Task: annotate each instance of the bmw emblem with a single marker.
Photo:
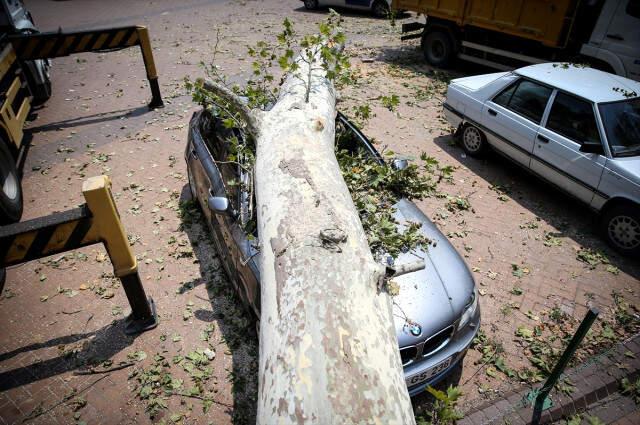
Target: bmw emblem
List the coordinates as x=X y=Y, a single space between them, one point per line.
x=415 y=329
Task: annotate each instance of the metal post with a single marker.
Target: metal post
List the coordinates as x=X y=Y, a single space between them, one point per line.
x=97 y=192
x=150 y=66
x=588 y=320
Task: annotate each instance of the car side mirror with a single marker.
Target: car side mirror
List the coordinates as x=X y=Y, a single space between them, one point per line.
x=399 y=164
x=592 y=147
x=220 y=205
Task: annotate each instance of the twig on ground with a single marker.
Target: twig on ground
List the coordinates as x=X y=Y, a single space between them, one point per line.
x=39 y=412
x=93 y=371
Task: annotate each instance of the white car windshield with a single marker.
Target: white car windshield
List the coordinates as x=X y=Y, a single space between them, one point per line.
x=622 y=125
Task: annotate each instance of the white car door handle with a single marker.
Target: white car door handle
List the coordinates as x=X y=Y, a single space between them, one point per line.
x=542 y=138
x=492 y=112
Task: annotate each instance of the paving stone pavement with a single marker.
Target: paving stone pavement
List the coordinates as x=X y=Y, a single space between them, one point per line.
x=597 y=392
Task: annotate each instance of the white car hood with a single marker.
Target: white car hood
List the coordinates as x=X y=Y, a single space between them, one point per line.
x=478 y=81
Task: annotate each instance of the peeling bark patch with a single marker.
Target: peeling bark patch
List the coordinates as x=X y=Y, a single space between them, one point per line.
x=278 y=246
x=296 y=168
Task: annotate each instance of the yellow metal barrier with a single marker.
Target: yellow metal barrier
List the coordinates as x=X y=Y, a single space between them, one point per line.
x=97 y=221
x=56 y=44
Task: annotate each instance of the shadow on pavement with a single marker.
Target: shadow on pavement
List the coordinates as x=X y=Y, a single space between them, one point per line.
x=227 y=311
x=572 y=219
x=103 y=345
x=324 y=10
x=92 y=119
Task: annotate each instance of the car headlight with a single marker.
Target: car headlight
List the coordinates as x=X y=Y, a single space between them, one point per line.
x=470 y=311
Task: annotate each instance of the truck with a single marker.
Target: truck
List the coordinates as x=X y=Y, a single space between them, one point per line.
x=25 y=55
x=504 y=35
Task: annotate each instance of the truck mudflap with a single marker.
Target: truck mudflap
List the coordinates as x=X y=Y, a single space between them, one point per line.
x=57 y=44
x=410 y=29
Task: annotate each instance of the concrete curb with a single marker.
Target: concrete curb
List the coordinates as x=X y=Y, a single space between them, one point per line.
x=594 y=380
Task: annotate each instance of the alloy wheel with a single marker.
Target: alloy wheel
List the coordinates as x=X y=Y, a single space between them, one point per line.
x=472 y=139
x=624 y=231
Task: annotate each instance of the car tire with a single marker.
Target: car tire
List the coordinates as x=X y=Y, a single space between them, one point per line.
x=41 y=91
x=437 y=48
x=620 y=226
x=380 y=9
x=311 y=4
x=10 y=189
x=473 y=141
x=3 y=278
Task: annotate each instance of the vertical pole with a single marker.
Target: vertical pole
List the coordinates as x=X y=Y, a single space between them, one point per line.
x=150 y=66
x=588 y=320
x=97 y=193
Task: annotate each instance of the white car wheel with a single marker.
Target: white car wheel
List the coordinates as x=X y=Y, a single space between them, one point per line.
x=473 y=140
x=311 y=4
x=624 y=231
x=621 y=227
x=380 y=9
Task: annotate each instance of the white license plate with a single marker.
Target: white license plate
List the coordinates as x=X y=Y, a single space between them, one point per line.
x=429 y=373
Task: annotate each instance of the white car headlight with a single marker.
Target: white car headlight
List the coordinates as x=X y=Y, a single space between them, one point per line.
x=469 y=311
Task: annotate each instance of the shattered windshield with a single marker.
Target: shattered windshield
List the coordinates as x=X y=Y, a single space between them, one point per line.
x=622 y=125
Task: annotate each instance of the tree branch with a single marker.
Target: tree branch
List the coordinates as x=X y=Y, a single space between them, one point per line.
x=250 y=117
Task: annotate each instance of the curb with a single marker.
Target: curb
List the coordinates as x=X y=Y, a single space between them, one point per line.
x=594 y=380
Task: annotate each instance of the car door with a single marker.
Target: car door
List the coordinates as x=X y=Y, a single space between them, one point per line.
x=513 y=118
x=622 y=36
x=571 y=122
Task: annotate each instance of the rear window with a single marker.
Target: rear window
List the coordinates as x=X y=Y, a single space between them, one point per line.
x=525 y=98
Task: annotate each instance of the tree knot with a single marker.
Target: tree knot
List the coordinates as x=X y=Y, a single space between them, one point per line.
x=331 y=238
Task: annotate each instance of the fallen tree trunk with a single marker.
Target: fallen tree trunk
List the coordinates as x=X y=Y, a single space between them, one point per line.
x=328 y=347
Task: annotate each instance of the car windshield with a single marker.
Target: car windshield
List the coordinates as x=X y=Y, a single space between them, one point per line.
x=622 y=125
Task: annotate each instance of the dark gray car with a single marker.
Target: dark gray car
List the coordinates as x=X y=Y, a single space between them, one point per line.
x=436 y=312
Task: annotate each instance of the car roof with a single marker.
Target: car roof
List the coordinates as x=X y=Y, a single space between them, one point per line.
x=588 y=83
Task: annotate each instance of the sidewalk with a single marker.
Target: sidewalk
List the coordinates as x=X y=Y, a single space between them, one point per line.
x=596 y=393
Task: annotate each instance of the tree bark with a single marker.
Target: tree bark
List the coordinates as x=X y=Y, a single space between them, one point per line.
x=328 y=347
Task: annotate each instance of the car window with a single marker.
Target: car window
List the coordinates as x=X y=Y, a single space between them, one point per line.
x=525 y=98
x=573 y=118
x=622 y=126
x=229 y=169
x=633 y=8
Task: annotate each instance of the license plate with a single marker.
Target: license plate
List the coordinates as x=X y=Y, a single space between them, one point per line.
x=429 y=373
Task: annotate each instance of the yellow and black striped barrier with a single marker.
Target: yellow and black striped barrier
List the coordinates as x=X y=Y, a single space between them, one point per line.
x=56 y=44
x=97 y=221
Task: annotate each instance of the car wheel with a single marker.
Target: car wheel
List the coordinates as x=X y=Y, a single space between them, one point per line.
x=380 y=9
x=437 y=48
x=621 y=227
x=311 y=4
x=10 y=189
x=473 y=141
x=40 y=86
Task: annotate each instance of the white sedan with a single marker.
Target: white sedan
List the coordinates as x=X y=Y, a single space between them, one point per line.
x=380 y=8
x=575 y=127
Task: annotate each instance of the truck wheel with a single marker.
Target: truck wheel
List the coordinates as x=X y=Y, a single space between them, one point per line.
x=311 y=4
x=10 y=190
x=621 y=227
x=437 y=48
x=380 y=9
x=473 y=140
x=37 y=74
